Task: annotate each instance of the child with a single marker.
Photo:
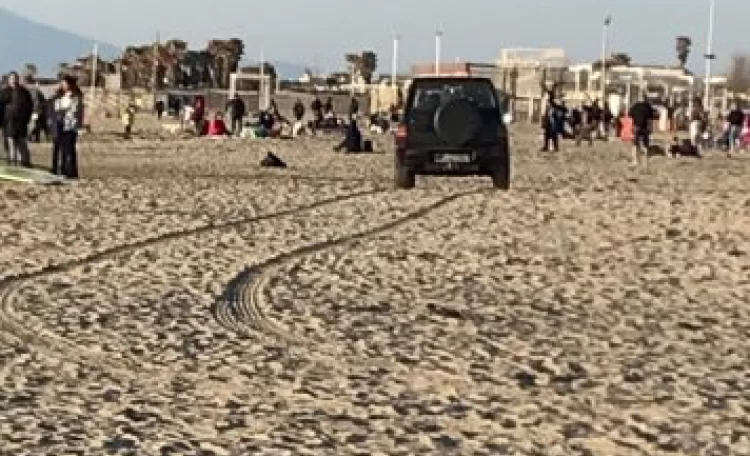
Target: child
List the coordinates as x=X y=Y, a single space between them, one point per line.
x=128 y=119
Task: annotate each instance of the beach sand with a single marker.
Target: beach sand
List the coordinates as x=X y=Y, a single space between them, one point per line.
x=182 y=300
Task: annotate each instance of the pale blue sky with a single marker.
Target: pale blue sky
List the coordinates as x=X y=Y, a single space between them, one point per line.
x=321 y=31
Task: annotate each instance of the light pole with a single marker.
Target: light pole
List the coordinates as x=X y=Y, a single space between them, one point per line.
x=438 y=43
x=605 y=42
x=707 y=105
x=394 y=63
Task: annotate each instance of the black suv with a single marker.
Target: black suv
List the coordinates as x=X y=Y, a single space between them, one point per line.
x=452 y=126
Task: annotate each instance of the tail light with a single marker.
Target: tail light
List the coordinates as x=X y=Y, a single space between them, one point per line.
x=401 y=136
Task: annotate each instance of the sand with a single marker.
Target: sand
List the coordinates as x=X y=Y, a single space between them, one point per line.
x=182 y=300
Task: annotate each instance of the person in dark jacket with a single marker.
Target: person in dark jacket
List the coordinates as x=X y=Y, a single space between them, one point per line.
x=607 y=118
x=39 y=117
x=2 y=122
x=328 y=109
x=597 y=116
x=553 y=122
x=736 y=120
x=237 y=110
x=353 y=108
x=317 y=109
x=18 y=107
x=642 y=114
x=159 y=108
x=54 y=127
x=298 y=110
x=352 y=143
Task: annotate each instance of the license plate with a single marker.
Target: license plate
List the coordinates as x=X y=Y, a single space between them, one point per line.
x=452 y=158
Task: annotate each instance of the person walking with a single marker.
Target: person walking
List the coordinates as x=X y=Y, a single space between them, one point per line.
x=18 y=109
x=642 y=114
x=69 y=111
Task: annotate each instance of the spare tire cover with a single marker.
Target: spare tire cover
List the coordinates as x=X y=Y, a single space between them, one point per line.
x=457 y=122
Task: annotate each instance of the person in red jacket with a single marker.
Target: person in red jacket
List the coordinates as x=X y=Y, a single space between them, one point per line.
x=217 y=126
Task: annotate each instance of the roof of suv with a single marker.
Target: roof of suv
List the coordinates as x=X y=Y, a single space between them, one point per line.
x=452 y=78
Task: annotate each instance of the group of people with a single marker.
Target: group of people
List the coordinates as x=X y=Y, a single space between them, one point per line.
x=24 y=115
x=591 y=121
x=588 y=122
x=269 y=122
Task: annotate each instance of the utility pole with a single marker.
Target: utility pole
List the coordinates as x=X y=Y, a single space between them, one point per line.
x=438 y=44
x=707 y=104
x=605 y=43
x=262 y=82
x=156 y=64
x=394 y=62
x=94 y=69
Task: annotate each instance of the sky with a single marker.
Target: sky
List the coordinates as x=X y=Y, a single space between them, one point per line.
x=320 y=32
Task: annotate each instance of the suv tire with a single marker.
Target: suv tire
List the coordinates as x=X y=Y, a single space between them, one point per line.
x=500 y=174
x=405 y=178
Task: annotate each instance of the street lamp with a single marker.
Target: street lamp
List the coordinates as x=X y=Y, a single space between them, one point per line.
x=394 y=63
x=438 y=40
x=710 y=57
x=605 y=39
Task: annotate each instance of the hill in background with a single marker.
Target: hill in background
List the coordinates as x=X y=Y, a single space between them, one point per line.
x=25 y=41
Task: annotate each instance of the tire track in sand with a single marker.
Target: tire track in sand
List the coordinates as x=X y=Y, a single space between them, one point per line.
x=14 y=332
x=240 y=309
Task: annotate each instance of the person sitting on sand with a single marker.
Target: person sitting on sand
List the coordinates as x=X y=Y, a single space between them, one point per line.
x=352 y=143
x=217 y=127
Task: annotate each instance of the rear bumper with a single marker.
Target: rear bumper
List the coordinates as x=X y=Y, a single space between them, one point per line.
x=483 y=161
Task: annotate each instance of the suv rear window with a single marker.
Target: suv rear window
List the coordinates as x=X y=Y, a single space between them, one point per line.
x=429 y=94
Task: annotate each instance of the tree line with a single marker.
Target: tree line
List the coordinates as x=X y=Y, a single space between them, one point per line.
x=171 y=64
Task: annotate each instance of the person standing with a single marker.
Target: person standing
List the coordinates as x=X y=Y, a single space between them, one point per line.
x=2 y=121
x=18 y=107
x=54 y=127
x=236 y=109
x=69 y=111
x=159 y=108
x=353 y=108
x=328 y=109
x=736 y=120
x=642 y=114
x=553 y=123
x=39 y=116
x=587 y=127
x=597 y=115
x=298 y=110
x=199 y=114
x=607 y=118
x=317 y=109
x=128 y=120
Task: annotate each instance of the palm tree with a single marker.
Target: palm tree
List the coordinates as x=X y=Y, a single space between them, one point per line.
x=683 y=49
